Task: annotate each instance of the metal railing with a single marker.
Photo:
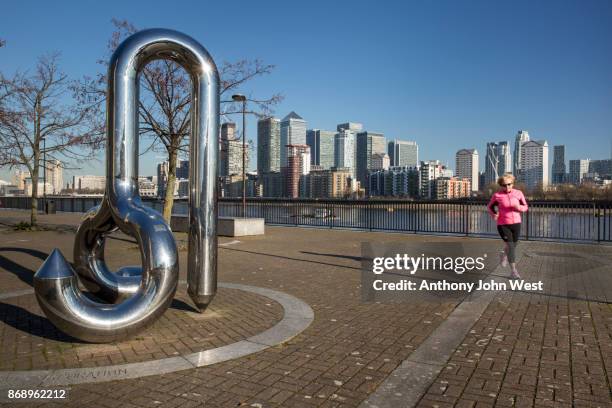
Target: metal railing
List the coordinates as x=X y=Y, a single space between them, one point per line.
x=546 y=220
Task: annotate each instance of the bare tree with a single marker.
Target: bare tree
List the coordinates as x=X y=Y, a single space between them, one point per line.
x=166 y=102
x=4 y=91
x=37 y=122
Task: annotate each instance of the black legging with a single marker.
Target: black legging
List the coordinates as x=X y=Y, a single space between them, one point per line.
x=510 y=233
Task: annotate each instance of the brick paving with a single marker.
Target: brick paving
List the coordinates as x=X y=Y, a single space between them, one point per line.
x=537 y=350
x=524 y=350
x=29 y=341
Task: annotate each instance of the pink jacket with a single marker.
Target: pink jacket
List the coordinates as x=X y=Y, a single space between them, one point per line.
x=509 y=206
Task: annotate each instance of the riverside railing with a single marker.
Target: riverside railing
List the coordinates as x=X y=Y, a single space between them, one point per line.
x=546 y=220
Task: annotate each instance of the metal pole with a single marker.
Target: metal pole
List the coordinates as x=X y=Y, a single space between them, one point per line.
x=598 y=216
x=243 y=158
x=44 y=176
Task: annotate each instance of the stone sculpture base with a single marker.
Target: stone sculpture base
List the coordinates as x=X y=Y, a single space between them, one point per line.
x=226 y=226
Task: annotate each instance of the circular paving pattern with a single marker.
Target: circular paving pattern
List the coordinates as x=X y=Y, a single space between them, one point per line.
x=240 y=321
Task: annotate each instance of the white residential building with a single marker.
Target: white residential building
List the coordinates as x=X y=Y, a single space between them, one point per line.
x=534 y=163
x=19 y=178
x=42 y=187
x=429 y=172
x=147 y=187
x=8 y=189
x=467 y=166
x=55 y=176
x=88 y=183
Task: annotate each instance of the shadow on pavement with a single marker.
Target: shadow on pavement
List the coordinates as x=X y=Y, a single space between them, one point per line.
x=24 y=274
x=34 y=252
x=35 y=325
x=28 y=322
x=182 y=306
x=349 y=257
x=290 y=258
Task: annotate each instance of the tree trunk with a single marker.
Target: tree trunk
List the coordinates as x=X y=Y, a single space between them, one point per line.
x=169 y=197
x=34 y=199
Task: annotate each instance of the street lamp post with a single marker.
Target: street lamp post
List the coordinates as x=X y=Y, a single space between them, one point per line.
x=242 y=98
x=44 y=176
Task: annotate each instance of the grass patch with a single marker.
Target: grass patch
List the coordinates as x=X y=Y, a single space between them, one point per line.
x=23 y=226
x=26 y=226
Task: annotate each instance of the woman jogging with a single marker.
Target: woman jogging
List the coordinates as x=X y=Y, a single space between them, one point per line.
x=510 y=204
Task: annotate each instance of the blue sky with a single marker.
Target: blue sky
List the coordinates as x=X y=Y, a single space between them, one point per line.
x=448 y=74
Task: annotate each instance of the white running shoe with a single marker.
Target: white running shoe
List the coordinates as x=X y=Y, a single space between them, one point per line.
x=503 y=259
x=515 y=275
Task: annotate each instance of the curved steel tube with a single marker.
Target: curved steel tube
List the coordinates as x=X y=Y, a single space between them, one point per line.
x=89 y=258
x=144 y=293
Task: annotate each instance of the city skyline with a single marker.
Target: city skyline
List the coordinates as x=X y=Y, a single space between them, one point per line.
x=463 y=72
x=254 y=149
x=302 y=177
x=512 y=151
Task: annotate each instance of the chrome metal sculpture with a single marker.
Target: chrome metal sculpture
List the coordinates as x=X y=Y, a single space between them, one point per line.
x=137 y=296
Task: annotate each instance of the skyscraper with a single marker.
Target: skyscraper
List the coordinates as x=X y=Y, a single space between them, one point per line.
x=368 y=144
x=521 y=137
x=352 y=126
x=403 y=153
x=54 y=176
x=272 y=184
x=601 y=168
x=228 y=131
x=578 y=170
x=298 y=166
x=163 y=169
x=292 y=132
x=268 y=145
x=558 y=166
x=467 y=166
x=19 y=178
x=497 y=161
x=344 y=150
x=534 y=163
x=162 y=178
x=230 y=156
x=321 y=144
x=182 y=169
x=381 y=161
x=233 y=163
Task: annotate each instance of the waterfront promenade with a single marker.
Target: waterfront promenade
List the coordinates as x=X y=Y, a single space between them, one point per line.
x=522 y=348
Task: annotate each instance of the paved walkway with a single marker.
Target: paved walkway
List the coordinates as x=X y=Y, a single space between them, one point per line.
x=526 y=349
